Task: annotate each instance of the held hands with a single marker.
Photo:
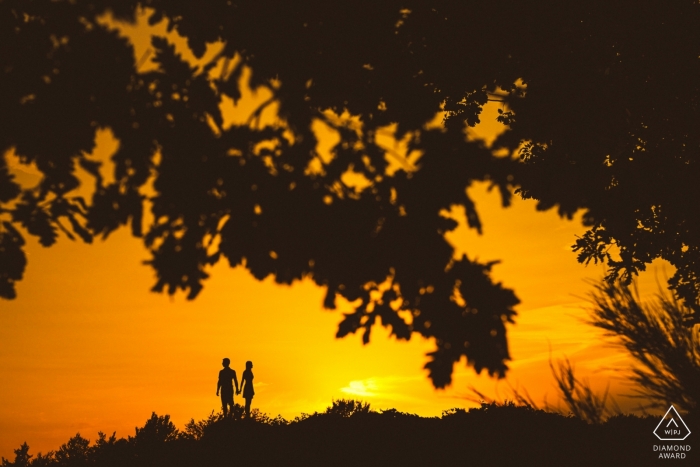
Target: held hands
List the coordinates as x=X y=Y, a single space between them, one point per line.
x=238 y=392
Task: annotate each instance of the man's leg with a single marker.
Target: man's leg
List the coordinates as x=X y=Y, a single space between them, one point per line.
x=223 y=404
x=226 y=400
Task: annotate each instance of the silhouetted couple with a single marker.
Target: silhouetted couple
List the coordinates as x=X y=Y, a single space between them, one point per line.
x=227 y=379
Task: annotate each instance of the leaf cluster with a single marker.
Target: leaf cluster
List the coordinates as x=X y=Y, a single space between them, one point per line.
x=600 y=99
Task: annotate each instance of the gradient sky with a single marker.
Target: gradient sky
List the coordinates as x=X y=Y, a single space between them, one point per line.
x=86 y=347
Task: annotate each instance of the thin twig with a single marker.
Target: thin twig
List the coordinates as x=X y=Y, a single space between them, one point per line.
x=143 y=58
x=257 y=112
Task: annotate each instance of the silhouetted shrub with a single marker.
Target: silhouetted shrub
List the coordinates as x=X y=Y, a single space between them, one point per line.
x=22 y=457
x=195 y=430
x=74 y=453
x=348 y=433
x=156 y=430
x=347 y=408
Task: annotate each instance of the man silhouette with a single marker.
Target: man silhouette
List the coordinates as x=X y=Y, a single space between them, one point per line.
x=227 y=377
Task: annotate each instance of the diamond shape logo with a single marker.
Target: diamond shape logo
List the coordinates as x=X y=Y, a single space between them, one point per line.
x=672 y=427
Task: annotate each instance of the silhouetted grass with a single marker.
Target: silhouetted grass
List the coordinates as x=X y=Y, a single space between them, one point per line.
x=661 y=335
x=350 y=434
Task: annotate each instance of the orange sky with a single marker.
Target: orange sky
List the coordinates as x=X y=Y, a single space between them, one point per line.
x=87 y=347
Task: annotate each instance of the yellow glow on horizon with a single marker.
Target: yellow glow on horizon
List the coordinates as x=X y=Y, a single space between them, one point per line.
x=361 y=389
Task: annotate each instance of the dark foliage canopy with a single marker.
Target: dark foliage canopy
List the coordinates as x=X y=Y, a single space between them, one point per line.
x=600 y=98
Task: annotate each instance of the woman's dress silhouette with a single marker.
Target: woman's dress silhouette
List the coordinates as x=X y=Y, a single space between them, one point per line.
x=247 y=386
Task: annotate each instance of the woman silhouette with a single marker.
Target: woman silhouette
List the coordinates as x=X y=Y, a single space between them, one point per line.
x=247 y=386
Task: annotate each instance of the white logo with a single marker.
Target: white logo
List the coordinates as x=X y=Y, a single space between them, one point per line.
x=672 y=427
